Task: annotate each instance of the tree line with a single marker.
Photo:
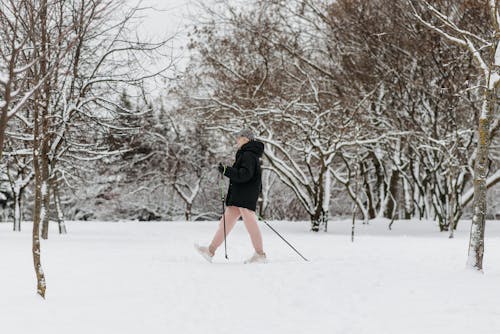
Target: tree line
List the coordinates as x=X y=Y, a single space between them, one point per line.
x=396 y=102
x=380 y=109
x=389 y=106
x=61 y=65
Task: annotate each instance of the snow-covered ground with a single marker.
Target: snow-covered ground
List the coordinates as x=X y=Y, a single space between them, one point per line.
x=146 y=278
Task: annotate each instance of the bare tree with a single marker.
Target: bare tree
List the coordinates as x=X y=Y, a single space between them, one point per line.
x=63 y=63
x=87 y=88
x=17 y=20
x=484 y=47
x=274 y=69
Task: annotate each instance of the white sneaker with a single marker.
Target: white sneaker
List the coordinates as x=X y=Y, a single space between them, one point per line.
x=203 y=250
x=257 y=258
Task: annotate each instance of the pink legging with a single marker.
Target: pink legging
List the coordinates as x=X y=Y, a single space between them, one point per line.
x=232 y=214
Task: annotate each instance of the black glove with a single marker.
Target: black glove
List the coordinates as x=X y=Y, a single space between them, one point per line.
x=221 y=168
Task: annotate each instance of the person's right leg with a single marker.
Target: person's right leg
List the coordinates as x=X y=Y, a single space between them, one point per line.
x=232 y=214
x=250 y=220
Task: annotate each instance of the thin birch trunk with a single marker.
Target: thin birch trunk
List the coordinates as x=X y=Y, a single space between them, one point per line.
x=38 y=209
x=41 y=284
x=476 y=244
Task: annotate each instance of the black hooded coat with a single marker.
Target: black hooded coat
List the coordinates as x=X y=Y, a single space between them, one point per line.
x=245 y=176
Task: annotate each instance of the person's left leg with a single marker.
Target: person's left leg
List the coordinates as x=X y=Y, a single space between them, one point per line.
x=250 y=220
x=232 y=214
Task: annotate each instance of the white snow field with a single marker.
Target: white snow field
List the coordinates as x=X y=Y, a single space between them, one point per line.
x=120 y=278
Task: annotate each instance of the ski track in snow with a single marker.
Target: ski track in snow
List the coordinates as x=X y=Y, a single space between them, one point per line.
x=147 y=278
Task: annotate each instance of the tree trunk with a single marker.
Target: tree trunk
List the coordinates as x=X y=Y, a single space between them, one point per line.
x=40 y=276
x=368 y=191
x=380 y=184
x=428 y=213
x=452 y=204
x=262 y=209
x=44 y=139
x=476 y=244
x=59 y=212
x=327 y=192
x=318 y=219
x=188 y=211
x=315 y=223
x=3 y=126
x=392 y=194
x=37 y=140
x=44 y=216
x=17 y=211
x=264 y=193
x=408 y=207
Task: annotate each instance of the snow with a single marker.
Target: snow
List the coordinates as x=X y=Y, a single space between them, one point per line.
x=146 y=278
x=497 y=51
x=495 y=73
x=4 y=78
x=494 y=79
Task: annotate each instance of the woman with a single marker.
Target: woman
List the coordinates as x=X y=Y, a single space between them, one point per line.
x=241 y=200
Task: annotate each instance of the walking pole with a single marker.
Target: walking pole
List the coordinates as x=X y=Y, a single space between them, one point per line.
x=296 y=251
x=223 y=210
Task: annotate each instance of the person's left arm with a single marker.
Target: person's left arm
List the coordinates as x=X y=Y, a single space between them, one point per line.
x=245 y=170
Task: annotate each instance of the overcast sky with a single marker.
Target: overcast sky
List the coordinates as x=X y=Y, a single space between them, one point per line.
x=168 y=18
x=165 y=19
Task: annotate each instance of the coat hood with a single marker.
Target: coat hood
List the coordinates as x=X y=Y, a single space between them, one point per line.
x=254 y=146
